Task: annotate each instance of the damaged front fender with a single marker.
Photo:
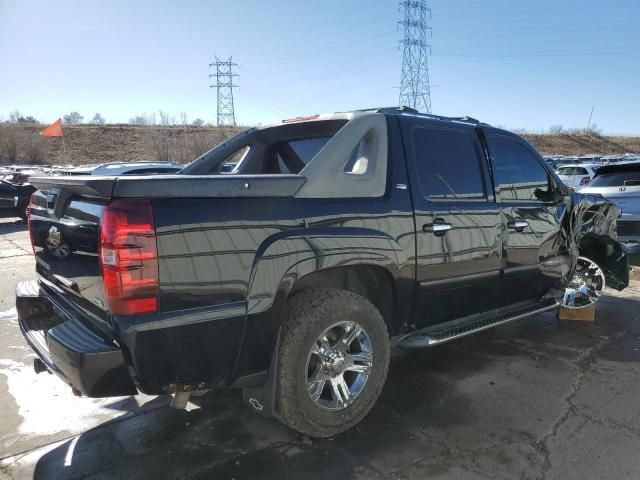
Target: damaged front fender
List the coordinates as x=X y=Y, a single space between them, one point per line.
x=590 y=231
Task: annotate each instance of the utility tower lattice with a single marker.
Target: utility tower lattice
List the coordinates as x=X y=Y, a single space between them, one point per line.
x=415 y=91
x=224 y=86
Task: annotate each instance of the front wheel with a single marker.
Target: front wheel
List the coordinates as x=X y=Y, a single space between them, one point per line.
x=334 y=358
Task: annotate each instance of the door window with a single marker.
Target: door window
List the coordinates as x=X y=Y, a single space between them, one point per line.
x=447 y=164
x=518 y=174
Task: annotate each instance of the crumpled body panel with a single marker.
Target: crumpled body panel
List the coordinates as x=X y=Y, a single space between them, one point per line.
x=590 y=230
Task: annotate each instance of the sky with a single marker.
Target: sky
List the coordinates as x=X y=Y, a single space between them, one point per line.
x=521 y=65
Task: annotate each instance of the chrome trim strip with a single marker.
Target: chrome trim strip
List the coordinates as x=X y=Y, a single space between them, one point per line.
x=472 y=276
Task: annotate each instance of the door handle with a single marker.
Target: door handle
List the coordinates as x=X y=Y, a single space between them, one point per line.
x=438 y=227
x=518 y=225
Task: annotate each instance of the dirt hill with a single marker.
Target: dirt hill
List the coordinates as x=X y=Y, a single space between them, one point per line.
x=104 y=143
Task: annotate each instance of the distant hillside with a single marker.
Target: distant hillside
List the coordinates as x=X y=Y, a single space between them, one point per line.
x=104 y=143
x=562 y=144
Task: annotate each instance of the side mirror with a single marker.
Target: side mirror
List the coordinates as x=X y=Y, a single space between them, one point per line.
x=560 y=192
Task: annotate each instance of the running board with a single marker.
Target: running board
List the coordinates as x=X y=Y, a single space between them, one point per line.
x=434 y=337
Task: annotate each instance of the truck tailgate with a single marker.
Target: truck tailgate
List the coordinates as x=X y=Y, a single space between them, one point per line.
x=65 y=232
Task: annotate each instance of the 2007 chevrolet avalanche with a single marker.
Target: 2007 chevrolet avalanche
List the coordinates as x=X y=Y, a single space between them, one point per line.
x=288 y=260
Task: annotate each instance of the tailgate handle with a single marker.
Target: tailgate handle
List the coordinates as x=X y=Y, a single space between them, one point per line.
x=517 y=225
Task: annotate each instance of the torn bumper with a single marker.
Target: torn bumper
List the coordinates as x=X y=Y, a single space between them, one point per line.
x=90 y=364
x=591 y=231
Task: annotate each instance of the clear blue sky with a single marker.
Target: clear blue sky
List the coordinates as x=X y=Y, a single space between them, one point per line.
x=525 y=64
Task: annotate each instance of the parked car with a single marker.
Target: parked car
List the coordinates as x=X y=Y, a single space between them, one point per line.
x=576 y=175
x=14 y=199
x=291 y=275
x=620 y=183
x=123 y=168
x=21 y=177
x=137 y=168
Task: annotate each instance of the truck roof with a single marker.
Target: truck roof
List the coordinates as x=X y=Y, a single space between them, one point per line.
x=386 y=110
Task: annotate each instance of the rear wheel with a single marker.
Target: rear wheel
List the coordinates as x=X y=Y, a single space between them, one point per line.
x=334 y=358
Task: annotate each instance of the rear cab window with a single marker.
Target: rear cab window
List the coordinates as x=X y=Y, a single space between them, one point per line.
x=572 y=171
x=292 y=157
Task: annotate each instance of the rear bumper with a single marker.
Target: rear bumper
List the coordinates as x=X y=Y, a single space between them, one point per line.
x=90 y=364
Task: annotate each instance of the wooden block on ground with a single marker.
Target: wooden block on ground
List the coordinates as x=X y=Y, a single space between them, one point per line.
x=586 y=314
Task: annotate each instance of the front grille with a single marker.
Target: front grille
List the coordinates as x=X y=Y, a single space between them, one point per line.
x=628 y=229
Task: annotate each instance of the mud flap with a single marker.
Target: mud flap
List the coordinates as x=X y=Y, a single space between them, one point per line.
x=263 y=399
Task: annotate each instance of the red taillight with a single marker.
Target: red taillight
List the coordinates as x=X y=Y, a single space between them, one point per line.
x=33 y=245
x=584 y=180
x=129 y=257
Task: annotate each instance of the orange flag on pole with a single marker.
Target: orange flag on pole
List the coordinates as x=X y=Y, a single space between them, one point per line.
x=53 y=130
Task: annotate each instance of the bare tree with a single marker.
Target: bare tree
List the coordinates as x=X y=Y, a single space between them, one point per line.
x=143 y=119
x=33 y=148
x=137 y=120
x=593 y=130
x=159 y=142
x=73 y=118
x=165 y=118
x=183 y=119
x=556 y=129
x=98 y=119
x=14 y=116
x=8 y=144
x=198 y=122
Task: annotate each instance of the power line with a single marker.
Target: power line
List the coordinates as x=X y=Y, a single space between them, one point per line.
x=224 y=88
x=414 y=81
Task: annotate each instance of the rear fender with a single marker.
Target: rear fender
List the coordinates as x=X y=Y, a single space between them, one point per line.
x=284 y=259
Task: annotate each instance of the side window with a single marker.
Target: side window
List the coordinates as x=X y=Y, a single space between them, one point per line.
x=518 y=174
x=447 y=164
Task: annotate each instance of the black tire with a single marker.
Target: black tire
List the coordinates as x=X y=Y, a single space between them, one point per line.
x=309 y=313
x=22 y=211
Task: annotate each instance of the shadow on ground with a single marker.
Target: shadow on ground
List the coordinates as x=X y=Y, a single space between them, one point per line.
x=12 y=226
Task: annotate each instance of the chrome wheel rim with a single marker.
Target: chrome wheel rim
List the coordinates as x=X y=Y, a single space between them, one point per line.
x=586 y=285
x=339 y=365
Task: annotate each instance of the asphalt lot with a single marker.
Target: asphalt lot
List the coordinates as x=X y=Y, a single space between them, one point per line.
x=538 y=398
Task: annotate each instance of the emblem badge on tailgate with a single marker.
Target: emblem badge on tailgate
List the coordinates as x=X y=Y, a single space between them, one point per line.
x=54 y=236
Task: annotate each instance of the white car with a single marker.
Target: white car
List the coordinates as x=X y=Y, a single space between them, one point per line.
x=621 y=184
x=577 y=175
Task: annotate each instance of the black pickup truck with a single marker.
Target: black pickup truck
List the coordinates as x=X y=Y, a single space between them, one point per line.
x=290 y=259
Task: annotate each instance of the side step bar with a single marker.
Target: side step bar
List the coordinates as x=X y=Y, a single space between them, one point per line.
x=434 y=336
